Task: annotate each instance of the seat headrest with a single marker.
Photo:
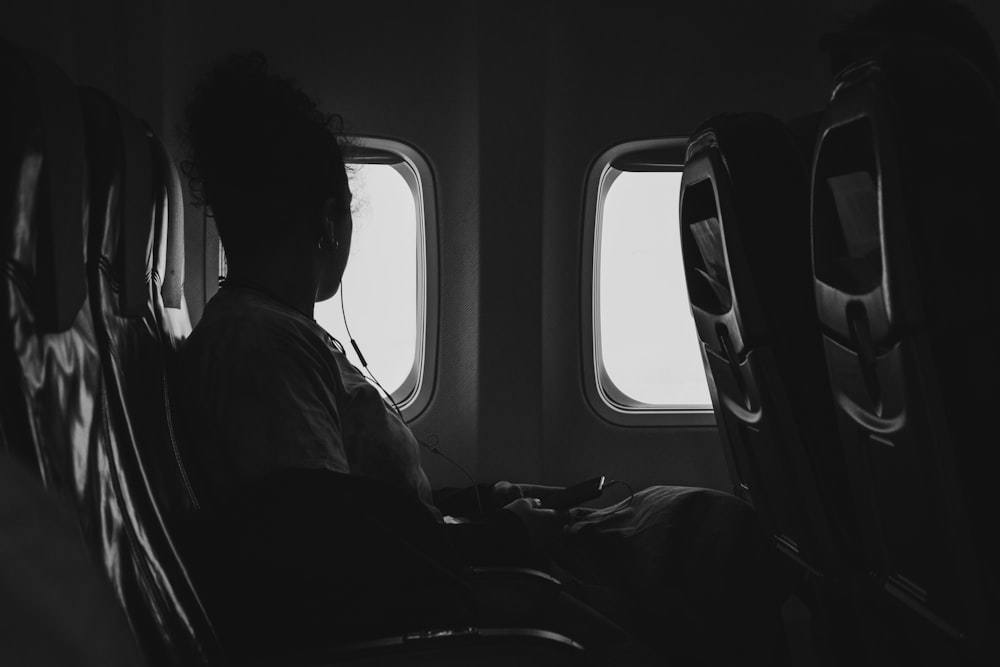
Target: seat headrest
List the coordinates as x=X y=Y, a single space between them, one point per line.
x=52 y=105
x=122 y=158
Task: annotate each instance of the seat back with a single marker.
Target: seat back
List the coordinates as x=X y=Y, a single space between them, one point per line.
x=745 y=243
x=55 y=411
x=904 y=243
x=167 y=276
x=133 y=200
x=49 y=369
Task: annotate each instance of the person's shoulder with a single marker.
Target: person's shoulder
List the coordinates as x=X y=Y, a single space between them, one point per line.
x=239 y=322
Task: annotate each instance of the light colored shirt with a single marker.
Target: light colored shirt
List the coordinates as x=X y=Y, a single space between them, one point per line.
x=269 y=389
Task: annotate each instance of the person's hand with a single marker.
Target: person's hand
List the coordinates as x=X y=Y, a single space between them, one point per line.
x=505 y=492
x=544 y=526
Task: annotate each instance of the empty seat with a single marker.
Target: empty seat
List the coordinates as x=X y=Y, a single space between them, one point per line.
x=53 y=397
x=50 y=380
x=744 y=217
x=904 y=261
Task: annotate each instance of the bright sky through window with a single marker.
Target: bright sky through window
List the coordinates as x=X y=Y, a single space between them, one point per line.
x=380 y=283
x=648 y=341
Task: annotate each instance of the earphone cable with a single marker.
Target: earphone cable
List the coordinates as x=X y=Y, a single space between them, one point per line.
x=368 y=373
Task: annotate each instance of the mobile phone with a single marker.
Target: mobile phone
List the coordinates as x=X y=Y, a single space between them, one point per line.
x=574 y=495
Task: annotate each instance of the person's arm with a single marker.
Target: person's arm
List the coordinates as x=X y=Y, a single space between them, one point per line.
x=506 y=492
x=471 y=501
x=466 y=502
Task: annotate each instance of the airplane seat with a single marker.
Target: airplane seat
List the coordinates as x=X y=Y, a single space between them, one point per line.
x=169 y=305
x=745 y=244
x=904 y=244
x=167 y=279
x=53 y=397
x=148 y=482
x=50 y=365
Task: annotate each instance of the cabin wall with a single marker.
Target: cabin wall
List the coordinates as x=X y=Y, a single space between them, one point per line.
x=510 y=102
x=512 y=191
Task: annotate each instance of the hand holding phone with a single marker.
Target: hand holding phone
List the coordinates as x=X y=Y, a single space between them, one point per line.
x=574 y=495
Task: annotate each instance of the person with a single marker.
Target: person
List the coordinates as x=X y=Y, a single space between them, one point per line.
x=318 y=521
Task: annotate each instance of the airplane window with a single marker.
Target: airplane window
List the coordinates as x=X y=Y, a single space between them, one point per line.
x=646 y=355
x=388 y=304
x=379 y=288
x=648 y=341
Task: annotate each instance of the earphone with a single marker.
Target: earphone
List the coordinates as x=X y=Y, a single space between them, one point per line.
x=327 y=244
x=367 y=372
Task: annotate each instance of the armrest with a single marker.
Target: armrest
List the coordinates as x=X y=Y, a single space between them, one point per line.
x=510 y=574
x=517 y=647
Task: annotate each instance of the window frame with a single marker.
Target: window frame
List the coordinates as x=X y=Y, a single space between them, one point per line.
x=414 y=395
x=604 y=397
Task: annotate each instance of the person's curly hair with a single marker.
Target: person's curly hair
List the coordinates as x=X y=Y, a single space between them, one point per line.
x=260 y=151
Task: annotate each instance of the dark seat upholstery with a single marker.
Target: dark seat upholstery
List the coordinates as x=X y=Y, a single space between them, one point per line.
x=50 y=382
x=744 y=217
x=53 y=401
x=904 y=250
